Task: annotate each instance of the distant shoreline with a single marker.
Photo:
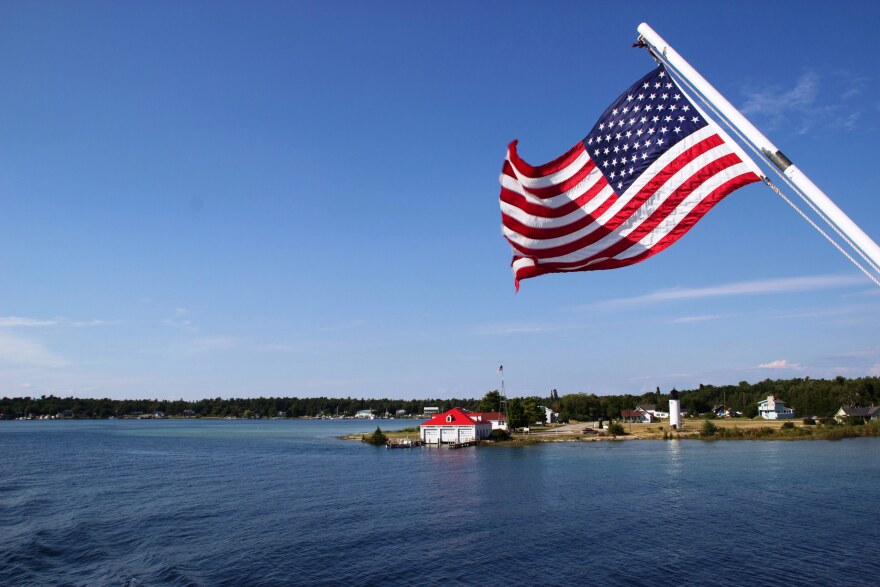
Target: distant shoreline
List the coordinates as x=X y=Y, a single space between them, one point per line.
x=692 y=429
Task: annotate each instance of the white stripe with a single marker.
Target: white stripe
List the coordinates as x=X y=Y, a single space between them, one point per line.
x=554 y=178
x=574 y=193
x=639 y=216
x=522 y=264
x=539 y=222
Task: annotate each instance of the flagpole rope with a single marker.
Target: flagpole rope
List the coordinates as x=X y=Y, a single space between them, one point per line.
x=771 y=185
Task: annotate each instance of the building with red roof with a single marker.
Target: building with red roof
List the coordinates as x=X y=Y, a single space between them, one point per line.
x=453 y=426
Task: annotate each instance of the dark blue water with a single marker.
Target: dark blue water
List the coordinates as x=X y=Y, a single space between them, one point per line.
x=286 y=503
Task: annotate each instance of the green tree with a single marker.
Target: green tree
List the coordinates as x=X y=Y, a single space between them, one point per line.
x=491 y=402
x=531 y=412
x=516 y=417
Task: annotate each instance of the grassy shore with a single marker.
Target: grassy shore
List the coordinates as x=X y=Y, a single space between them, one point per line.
x=719 y=429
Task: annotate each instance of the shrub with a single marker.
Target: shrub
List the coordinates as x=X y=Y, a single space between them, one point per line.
x=498 y=435
x=809 y=421
x=616 y=429
x=708 y=429
x=377 y=437
x=788 y=425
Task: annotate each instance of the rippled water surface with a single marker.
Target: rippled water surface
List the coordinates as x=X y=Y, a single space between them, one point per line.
x=175 y=502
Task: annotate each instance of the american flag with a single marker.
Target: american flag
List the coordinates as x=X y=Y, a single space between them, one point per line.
x=648 y=171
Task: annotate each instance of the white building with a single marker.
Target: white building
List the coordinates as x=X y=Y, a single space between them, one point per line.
x=774 y=409
x=866 y=414
x=453 y=426
x=496 y=419
x=550 y=416
x=365 y=414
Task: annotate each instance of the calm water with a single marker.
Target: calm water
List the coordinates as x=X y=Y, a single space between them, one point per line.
x=285 y=503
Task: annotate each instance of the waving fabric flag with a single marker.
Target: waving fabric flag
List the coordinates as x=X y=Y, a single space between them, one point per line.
x=648 y=171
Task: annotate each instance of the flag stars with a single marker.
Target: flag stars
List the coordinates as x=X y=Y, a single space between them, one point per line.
x=677 y=129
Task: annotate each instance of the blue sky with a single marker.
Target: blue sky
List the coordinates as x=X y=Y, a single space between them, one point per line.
x=203 y=199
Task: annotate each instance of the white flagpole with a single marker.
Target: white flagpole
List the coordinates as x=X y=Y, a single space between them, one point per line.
x=864 y=242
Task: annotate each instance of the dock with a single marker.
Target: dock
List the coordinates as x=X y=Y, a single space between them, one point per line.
x=403 y=443
x=463 y=444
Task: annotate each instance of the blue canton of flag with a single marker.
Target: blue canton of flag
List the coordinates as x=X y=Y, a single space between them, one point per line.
x=651 y=116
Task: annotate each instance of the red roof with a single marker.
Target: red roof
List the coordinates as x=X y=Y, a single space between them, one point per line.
x=459 y=418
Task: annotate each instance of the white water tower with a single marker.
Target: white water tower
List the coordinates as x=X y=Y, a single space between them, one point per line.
x=674 y=410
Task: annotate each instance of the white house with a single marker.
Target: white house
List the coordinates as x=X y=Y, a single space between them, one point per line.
x=366 y=414
x=452 y=426
x=872 y=413
x=637 y=415
x=549 y=415
x=774 y=409
x=496 y=419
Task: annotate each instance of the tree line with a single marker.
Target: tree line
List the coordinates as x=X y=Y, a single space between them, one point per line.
x=808 y=397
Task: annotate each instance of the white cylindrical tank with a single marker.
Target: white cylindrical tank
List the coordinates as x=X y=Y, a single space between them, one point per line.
x=674 y=410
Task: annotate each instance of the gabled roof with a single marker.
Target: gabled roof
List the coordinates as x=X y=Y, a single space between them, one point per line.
x=647 y=407
x=632 y=413
x=858 y=411
x=453 y=417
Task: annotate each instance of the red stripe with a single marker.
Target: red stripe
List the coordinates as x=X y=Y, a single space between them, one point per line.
x=540 y=211
x=630 y=208
x=559 y=231
x=557 y=164
x=564 y=186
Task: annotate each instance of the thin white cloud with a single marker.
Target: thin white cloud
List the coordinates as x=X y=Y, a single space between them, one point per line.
x=178 y=320
x=780 y=364
x=767 y=286
x=808 y=104
x=690 y=319
x=20 y=321
x=16 y=350
x=23 y=322
x=775 y=102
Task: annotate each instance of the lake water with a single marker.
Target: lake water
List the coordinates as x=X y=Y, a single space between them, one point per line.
x=173 y=502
